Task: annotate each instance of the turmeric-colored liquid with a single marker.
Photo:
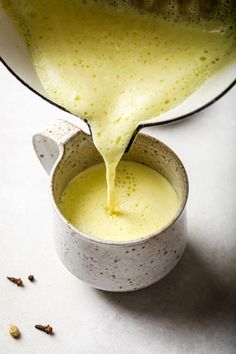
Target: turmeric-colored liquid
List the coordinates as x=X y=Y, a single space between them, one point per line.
x=147 y=202
x=116 y=67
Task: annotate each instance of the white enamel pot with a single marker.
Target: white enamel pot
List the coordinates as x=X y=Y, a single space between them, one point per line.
x=14 y=55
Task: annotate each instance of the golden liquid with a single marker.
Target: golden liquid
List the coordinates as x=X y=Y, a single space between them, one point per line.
x=147 y=202
x=116 y=67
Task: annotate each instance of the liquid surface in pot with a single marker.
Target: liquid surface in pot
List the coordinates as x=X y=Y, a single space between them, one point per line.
x=116 y=67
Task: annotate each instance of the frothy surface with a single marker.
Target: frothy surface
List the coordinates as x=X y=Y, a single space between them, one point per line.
x=115 y=67
x=147 y=202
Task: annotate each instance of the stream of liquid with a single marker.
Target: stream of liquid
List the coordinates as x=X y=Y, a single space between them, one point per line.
x=115 y=67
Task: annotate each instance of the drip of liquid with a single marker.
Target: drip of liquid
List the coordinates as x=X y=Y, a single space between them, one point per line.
x=147 y=202
x=115 y=66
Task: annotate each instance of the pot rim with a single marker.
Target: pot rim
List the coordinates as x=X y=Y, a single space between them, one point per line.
x=140 y=126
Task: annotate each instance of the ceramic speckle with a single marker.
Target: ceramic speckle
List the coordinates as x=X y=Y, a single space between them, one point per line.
x=64 y=151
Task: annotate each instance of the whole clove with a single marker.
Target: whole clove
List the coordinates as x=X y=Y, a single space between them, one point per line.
x=31 y=278
x=16 y=281
x=47 y=329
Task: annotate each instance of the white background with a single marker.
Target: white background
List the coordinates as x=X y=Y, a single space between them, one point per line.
x=192 y=310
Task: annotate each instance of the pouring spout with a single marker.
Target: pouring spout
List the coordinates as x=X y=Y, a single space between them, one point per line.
x=138 y=128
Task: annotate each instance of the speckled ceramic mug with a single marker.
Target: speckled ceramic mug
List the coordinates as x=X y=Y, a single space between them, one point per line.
x=64 y=151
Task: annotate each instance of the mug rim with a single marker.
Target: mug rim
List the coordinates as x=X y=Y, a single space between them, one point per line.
x=131 y=242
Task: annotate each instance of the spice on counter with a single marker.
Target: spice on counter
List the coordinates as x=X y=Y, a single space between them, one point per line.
x=47 y=329
x=14 y=331
x=16 y=281
x=31 y=278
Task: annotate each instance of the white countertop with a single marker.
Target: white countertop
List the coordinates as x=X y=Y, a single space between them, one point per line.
x=192 y=310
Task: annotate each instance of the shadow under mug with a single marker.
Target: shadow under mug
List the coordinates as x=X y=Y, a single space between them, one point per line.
x=64 y=151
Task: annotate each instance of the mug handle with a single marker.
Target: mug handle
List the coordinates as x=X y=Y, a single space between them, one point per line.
x=49 y=144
